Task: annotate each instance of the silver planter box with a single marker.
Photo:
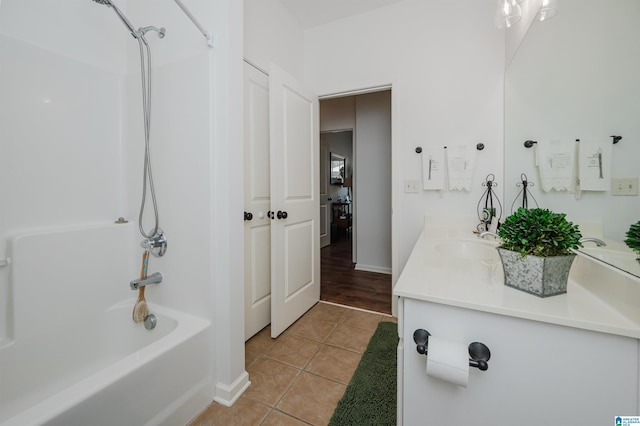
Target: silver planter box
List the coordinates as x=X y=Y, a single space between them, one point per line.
x=542 y=276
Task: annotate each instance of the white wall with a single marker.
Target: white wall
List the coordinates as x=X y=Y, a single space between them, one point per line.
x=373 y=182
x=60 y=102
x=445 y=61
x=273 y=35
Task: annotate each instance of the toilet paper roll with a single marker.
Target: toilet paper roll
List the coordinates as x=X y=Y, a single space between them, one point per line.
x=448 y=361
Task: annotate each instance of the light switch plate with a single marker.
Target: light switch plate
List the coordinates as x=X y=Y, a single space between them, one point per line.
x=411 y=186
x=624 y=186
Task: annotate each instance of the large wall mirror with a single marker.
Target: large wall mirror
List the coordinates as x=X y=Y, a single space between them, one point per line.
x=578 y=76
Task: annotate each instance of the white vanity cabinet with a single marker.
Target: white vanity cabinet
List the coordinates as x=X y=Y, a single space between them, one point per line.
x=569 y=359
x=539 y=373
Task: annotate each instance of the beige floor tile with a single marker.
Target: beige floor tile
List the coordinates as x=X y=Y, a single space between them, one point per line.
x=351 y=338
x=312 y=328
x=244 y=412
x=334 y=363
x=276 y=418
x=312 y=399
x=270 y=380
x=293 y=350
x=250 y=357
x=261 y=342
x=360 y=319
x=327 y=312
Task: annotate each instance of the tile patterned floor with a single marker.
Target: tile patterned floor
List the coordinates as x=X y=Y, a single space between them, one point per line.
x=298 y=378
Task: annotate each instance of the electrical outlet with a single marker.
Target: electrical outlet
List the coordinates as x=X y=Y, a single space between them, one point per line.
x=624 y=186
x=411 y=186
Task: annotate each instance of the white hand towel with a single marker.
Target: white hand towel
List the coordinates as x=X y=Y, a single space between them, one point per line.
x=461 y=163
x=556 y=164
x=433 y=168
x=594 y=164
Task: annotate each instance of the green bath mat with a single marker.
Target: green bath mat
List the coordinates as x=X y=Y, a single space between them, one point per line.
x=370 y=397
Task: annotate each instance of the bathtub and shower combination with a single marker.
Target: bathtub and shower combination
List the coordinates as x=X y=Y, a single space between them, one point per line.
x=70 y=353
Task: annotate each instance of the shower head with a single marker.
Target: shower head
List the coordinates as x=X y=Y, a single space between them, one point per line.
x=123 y=18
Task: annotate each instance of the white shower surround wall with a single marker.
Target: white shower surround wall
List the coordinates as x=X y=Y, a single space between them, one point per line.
x=73 y=352
x=71 y=132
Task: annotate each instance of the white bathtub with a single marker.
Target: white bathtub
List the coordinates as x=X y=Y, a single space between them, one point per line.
x=70 y=354
x=106 y=370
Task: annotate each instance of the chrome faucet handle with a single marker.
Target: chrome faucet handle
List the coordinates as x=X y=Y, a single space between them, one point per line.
x=156 y=245
x=485 y=233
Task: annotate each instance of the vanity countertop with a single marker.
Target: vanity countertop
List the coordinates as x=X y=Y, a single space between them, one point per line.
x=438 y=276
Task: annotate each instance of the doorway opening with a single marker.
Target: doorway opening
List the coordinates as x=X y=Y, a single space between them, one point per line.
x=355 y=206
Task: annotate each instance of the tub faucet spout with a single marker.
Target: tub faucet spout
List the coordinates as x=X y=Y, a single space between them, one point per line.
x=155 y=278
x=598 y=242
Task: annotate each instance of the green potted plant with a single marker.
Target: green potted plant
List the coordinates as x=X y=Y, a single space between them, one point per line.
x=536 y=250
x=633 y=239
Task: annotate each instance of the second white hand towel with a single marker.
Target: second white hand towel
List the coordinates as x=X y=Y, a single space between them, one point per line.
x=461 y=163
x=594 y=164
x=433 y=168
x=556 y=164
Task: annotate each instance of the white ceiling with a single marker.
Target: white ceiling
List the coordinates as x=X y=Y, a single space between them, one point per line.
x=317 y=12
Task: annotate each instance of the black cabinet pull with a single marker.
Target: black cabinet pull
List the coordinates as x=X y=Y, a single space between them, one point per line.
x=282 y=215
x=248 y=215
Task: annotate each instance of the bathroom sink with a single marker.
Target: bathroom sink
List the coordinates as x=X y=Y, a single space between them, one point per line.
x=468 y=250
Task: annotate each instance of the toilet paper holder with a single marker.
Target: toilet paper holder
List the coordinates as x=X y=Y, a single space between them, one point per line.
x=479 y=353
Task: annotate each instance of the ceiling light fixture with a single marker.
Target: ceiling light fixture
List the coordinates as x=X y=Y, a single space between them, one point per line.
x=509 y=12
x=548 y=10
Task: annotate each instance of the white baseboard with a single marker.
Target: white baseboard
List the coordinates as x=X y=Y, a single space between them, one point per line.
x=372 y=268
x=186 y=408
x=228 y=394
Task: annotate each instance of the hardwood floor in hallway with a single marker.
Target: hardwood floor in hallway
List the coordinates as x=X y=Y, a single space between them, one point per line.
x=342 y=284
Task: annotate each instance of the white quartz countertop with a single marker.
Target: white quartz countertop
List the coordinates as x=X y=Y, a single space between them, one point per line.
x=436 y=275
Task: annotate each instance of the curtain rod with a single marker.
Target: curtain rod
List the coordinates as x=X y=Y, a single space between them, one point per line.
x=202 y=29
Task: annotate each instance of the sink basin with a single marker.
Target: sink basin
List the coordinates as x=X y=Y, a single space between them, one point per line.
x=468 y=250
x=625 y=260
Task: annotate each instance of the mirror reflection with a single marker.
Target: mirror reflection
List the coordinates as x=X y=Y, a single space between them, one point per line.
x=338 y=165
x=577 y=76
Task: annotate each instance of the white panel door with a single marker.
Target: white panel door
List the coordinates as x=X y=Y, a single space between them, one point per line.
x=325 y=205
x=257 y=226
x=295 y=231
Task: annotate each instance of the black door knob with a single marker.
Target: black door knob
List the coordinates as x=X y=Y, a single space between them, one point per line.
x=282 y=215
x=270 y=215
x=248 y=215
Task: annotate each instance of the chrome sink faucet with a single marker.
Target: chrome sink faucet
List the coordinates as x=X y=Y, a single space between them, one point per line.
x=598 y=242
x=485 y=233
x=155 y=278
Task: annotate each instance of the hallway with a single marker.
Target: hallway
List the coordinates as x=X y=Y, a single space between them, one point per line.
x=341 y=283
